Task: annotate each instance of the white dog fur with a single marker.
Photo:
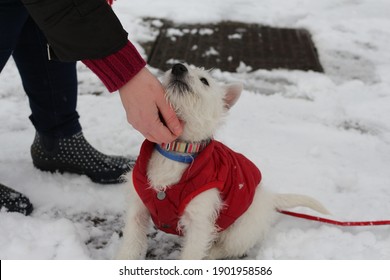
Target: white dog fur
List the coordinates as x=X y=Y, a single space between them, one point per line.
x=202 y=107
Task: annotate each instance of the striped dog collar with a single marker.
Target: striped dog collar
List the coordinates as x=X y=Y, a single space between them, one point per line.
x=185 y=147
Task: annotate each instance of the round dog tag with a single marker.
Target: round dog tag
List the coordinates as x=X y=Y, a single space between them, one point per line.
x=161 y=195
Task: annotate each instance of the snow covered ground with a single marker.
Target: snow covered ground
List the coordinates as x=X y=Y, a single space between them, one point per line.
x=325 y=135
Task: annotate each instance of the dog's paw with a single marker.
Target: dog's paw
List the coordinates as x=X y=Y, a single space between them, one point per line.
x=125 y=257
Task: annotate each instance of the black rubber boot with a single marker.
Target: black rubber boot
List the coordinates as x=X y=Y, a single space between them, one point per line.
x=75 y=155
x=13 y=201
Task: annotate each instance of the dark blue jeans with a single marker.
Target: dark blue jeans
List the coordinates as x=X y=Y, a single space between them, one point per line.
x=51 y=86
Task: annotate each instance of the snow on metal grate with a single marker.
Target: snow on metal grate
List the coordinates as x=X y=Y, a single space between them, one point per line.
x=234 y=47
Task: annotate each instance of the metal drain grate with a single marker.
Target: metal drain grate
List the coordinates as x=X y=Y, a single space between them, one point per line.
x=233 y=46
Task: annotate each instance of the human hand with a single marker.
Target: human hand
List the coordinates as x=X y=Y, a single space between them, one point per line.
x=144 y=101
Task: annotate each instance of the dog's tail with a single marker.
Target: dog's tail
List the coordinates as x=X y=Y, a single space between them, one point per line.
x=285 y=201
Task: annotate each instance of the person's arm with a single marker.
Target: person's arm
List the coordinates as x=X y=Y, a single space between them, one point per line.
x=141 y=93
x=88 y=30
x=78 y=29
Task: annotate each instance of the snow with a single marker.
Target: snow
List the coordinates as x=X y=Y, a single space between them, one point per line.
x=324 y=135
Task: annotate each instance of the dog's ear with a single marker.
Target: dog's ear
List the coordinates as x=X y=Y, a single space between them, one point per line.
x=232 y=93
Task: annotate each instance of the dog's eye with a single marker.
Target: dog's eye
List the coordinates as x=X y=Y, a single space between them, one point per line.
x=203 y=80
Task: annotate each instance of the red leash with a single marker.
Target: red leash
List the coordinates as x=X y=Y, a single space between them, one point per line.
x=333 y=222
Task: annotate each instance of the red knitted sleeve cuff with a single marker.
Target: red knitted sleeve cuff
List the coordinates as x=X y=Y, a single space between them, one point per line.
x=117 y=69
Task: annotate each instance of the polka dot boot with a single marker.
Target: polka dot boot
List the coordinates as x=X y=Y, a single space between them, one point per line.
x=13 y=201
x=75 y=155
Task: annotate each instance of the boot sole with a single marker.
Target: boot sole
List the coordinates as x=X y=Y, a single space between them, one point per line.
x=58 y=168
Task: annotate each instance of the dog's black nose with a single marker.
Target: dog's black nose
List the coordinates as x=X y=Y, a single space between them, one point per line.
x=179 y=69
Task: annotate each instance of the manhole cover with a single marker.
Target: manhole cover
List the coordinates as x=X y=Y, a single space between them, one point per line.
x=234 y=47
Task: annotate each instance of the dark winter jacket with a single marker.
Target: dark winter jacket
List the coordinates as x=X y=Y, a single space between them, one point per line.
x=78 y=29
x=217 y=166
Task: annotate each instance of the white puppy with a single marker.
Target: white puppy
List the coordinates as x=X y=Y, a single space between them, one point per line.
x=196 y=186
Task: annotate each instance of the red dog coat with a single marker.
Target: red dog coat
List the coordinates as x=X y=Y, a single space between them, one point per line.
x=216 y=166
